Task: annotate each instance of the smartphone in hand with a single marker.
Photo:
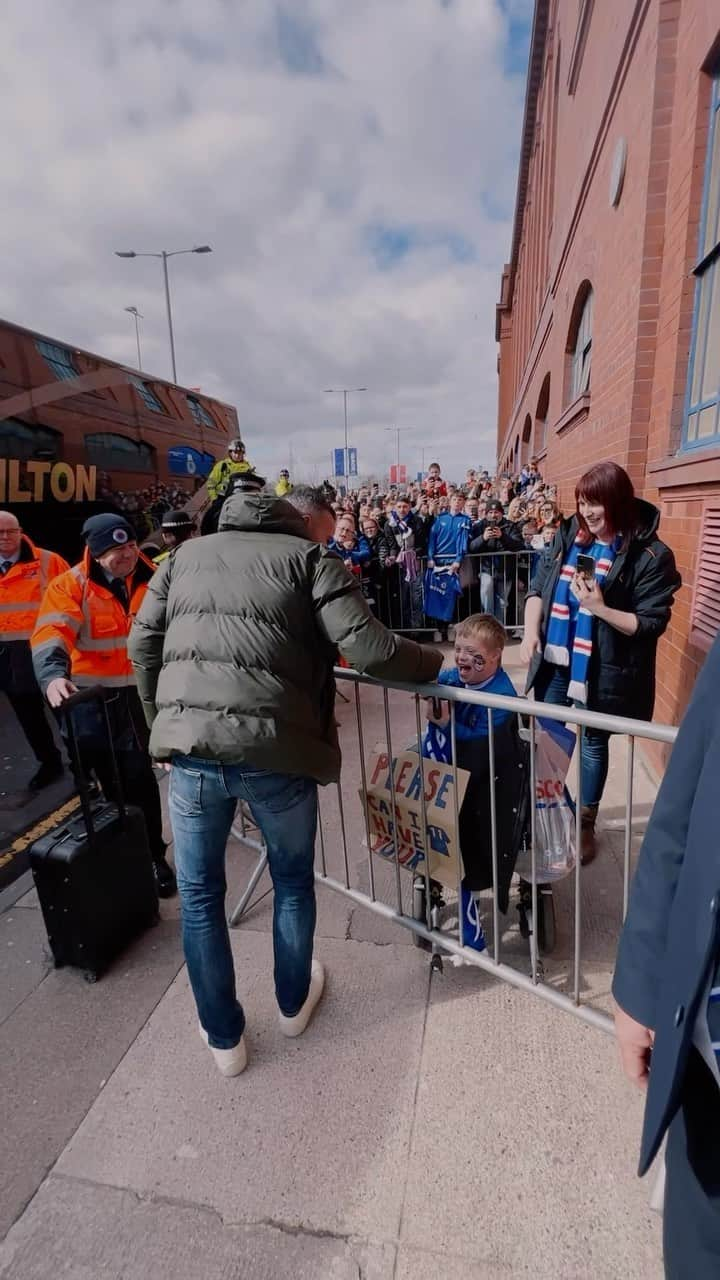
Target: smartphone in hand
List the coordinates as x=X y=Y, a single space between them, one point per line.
x=586 y=568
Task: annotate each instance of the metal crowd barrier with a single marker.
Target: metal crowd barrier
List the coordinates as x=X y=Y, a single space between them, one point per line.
x=492 y=582
x=381 y=710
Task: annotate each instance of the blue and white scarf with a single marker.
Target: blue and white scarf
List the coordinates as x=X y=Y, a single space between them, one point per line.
x=557 y=645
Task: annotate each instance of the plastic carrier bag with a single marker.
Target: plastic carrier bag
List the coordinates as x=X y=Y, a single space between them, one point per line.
x=554 y=809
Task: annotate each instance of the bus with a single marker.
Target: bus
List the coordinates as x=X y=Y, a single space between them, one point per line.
x=81 y=434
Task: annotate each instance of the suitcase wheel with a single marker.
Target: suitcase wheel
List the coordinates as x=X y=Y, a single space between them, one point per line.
x=90 y=975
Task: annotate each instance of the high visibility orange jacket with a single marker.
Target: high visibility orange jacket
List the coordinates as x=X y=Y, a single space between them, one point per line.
x=22 y=589
x=82 y=628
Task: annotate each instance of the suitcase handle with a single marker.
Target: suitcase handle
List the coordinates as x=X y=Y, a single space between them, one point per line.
x=96 y=693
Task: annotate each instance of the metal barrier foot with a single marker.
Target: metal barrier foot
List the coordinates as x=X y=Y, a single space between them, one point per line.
x=244 y=902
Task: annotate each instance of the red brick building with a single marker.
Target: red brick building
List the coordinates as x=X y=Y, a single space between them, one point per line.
x=609 y=316
x=68 y=408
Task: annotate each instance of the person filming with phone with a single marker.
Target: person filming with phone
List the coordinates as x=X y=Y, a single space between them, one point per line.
x=597 y=606
x=497 y=572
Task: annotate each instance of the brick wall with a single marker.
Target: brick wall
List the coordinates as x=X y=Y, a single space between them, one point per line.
x=641 y=78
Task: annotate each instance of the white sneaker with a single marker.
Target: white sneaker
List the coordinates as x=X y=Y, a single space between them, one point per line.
x=230 y=1062
x=295 y=1026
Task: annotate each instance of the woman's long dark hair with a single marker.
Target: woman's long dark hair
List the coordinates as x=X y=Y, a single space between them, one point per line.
x=610 y=487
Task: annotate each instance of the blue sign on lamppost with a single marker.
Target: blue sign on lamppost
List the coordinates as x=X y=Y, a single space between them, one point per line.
x=345 y=465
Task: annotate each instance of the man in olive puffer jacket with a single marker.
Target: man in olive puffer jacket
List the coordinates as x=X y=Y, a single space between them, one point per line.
x=233 y=649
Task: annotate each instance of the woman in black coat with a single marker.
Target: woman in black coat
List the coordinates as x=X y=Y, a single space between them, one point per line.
x=629 y=612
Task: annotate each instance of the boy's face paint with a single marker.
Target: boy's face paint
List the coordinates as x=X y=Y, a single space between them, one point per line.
x=476 y=661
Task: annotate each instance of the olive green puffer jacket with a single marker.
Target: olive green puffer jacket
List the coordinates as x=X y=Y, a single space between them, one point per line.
x=236 y=639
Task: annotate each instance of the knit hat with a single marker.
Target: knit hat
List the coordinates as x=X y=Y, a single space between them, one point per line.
x=107 y=531
x=177 y=520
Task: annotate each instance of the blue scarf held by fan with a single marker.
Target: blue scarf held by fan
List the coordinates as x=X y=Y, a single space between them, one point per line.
x=569 y=638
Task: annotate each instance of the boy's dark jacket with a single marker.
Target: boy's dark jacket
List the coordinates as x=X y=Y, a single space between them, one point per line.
x=512 y=796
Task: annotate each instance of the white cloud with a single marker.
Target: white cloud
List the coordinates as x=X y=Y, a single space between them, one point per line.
x=284 y=135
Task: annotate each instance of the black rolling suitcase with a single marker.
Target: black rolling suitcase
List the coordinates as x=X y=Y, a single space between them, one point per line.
x=94 y=873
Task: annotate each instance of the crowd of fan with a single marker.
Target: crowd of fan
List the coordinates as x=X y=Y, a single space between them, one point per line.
x=389 y=539
x=144 y=508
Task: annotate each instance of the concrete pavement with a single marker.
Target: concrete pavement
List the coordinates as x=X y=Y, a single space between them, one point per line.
x=424 y=1125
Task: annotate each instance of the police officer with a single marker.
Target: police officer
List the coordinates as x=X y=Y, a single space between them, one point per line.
x=226 y=468
x=80 y=640
x=25 y=571
x=176 y=528
x=283 y=486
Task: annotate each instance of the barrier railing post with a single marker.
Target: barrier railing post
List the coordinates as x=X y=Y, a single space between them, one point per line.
x=456 y=814
x=344 y=836
x=423 y=806
x=578 y=865
x=493 y=838
x=628 y=822
x=363 y=776
x=398 y=883
x=533 y=855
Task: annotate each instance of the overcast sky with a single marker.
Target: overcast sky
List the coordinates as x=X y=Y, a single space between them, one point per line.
x=351 y=162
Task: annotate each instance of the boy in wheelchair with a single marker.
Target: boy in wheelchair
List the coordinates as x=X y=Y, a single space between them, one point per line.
x=479 y=644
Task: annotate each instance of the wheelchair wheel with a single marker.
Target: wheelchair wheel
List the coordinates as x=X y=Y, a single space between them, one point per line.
x=524 y=908
x=546 y=931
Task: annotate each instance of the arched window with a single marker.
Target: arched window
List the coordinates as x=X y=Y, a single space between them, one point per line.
x=526 y=435
x=579 y=347
x=119 y=453
x=18 y=440
x=541 y=415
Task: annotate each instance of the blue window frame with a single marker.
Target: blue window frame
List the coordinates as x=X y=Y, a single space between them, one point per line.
x=702 y=400
x=147 y=395
x=199 y=413
x=58 y=358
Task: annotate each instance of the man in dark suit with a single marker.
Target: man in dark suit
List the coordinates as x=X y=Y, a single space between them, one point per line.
x=667 y=986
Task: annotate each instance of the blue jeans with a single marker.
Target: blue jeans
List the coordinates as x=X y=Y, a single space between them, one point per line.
x=551 y=685
x=492 y=596
x=203 y=797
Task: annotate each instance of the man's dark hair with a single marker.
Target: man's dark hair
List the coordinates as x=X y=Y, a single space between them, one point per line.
x=305 y=498
x=404 y=497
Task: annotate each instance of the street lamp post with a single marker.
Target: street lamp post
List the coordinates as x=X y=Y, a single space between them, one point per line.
x=345 y=391
x=137 y=317
x=164 y=255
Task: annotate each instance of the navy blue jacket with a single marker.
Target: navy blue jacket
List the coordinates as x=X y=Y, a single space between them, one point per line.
x=670 y=936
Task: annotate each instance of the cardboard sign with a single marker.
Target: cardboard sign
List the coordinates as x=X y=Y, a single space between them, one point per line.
x=408 y=781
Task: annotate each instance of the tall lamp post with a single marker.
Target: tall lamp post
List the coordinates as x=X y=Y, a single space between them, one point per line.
x=137 y=317
x=345 y=392
x=164 y=255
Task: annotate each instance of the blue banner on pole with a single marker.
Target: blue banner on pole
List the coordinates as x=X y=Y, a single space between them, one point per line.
x=339 y=462
x=352 y=462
